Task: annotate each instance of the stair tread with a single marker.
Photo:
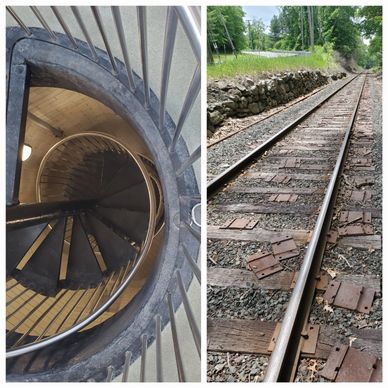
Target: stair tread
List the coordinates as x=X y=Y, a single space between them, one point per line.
x=132 y=198
x=42 y=270
x=83 y=269
x=115 y=251
x=18 y=243
x=133 y=223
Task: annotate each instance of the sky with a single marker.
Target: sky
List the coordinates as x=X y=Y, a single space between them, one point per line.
x=263 y=13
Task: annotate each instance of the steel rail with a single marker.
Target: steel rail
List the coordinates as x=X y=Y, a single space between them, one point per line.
x=223 y=178
x=281 y=366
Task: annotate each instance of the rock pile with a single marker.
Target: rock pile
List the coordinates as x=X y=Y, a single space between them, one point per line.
x=244 y=96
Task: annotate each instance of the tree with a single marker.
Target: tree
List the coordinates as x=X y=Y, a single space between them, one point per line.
x=234 y=23
x=275 y=28
x=340 y=29
x=371 y=27
x=257 y=32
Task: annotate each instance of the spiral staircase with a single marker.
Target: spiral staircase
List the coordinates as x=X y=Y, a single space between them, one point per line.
x=103 y=215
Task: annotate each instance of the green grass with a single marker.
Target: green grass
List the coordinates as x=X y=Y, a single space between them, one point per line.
x=246 y=64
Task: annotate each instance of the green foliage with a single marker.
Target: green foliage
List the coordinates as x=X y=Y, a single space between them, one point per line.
x=233 y=18
x=256 y=35
x=246 y=64
x=340 y=29
x=371 y=27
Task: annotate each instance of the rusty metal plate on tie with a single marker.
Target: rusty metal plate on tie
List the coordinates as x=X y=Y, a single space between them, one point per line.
x=334 y=362
x=263 y=264
x=291 y=163
x=283 y=244
x=356 y=230
x=357 y=366
x=348 y=296
x=309 y=339
x=332 y=237
x=239 y=223
x=280 y=178
x=274 y=337
x=361 y=162
x=366 y=300
x=356 y=216
x=323 y=281
x=331 y=291
x=377 y=374
x=283 y=198
x=360 y=195
x=363 y=181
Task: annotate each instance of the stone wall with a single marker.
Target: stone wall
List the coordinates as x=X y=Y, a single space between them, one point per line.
x=244 y=97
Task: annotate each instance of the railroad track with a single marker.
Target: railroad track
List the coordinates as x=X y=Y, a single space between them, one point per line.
x=294 y=250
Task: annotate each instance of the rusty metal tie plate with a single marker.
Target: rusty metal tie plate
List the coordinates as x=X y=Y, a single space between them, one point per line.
x=263 y=264
x=366 y=300
x=332 y=237
x=291 y=163
x=239 y=223
x=363 y=181
x=283 y=198
x=356 y=230
x=331 y=291
x=361 y=162
x=284 y=248
x=349 y=296
x=356 y=216
x=322 y=281
x=309 y=338
x=360 y=195
x=279 y=178
x=357 y=366
x=334 y=362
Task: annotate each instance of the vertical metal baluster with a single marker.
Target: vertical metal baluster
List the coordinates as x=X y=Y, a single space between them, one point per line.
x=57 y=314
x=56 y=301
x=120 y=32
x=158 y=334
x=127 y=362
x=143 y=357
x=142 y=22
x=64 y=26
x=27 y=316
x=97 y=17
x=42 y=21
x=82 y=25
x=18 y=20
x=192 y=31
x=109 y=374
x=94 y=293
x=168 y=50
x=177 y=351
x=189 y=161
x=192 y=263
x=189 y=314
x=191 y=95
